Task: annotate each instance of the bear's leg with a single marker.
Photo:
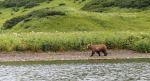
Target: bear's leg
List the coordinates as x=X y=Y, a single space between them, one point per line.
x=93 y=52
x=105 y=52
x=98 y=52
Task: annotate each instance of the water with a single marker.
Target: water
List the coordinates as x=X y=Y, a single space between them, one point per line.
x=76 y=72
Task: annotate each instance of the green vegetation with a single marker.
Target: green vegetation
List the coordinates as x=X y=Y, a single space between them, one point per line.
x=42 y=13
x=19 y=3
x=50 y=18
x=31 y=4
x=101 y=5
x=75 y=19
x=73 y=41
x=12 y=22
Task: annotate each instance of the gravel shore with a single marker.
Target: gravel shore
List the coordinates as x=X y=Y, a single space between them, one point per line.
x=71 y=55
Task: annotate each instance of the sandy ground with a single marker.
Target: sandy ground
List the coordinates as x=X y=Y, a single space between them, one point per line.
x=72 y=55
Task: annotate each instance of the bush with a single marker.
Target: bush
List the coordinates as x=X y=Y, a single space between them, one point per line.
x=40 y=41
x=38 y=13
x=15 y=9
x=12 y=14
x=44 y=13
x=62 y=4
x=142 y=46
x=19 y=3
x=75 y=1
x=83 y=0
x=31 y=4
x=12 y=22
x=95 y=5
x=27 y=19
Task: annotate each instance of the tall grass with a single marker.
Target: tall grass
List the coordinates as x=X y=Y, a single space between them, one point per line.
x=60 y=41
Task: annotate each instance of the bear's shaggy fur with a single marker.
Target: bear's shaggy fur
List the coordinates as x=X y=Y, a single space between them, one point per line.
x=97 y=49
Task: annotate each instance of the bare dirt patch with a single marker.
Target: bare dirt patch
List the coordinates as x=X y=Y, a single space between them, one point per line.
x=71 y=55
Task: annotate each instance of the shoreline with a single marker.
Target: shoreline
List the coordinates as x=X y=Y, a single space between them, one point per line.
x=70 y=55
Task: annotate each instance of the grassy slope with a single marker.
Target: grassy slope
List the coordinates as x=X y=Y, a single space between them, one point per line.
x=78 y=20
x=115 y=20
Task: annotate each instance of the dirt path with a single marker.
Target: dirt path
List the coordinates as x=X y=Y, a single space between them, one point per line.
x=73 y=55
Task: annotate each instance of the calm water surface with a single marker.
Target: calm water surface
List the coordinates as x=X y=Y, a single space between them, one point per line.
x=76 y=72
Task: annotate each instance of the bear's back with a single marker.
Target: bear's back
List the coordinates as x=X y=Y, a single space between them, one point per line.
x=98 y=47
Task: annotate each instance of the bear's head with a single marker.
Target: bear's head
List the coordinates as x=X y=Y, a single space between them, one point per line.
x=89 y=46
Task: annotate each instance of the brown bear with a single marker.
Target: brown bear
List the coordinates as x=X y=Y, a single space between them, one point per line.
x=97 y=49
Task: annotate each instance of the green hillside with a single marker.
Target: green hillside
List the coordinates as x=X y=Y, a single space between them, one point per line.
x=62 y=25
x=103 y=5
x=76 y=17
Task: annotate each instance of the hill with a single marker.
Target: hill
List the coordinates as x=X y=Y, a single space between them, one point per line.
x=62 y=25
x=46 y=16
x=103 y=5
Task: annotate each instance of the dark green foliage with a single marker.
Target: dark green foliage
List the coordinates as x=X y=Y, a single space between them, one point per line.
x=15 y=9
x=62 y=4
x=79 y=1
x=12 y=13
x=27 y=19
x=45 y=47
x=1 y=3
x=83 y=0
x=75 y=1
x=24 y=10
x=19 y=3
x=37 y=13
x=45 y=12
x=12 y=22
x=98 y=5
x=31 y=4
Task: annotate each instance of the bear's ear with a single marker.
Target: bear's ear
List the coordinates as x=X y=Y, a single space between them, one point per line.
x=88 y=45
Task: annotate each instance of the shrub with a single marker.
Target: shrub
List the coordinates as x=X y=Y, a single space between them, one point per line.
x=12 y=22
x=15 y=9
x=45 y=12
x=99 y=4
x=40 y=41
x=27 y=19
x=75 y=1
x=142 y=46
x=24 y=10
x=31 y=4
x=19 y=3
x=62 y=4
x=83 y=0
x=12 y=13
x=38 y=13
x=53 y=13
